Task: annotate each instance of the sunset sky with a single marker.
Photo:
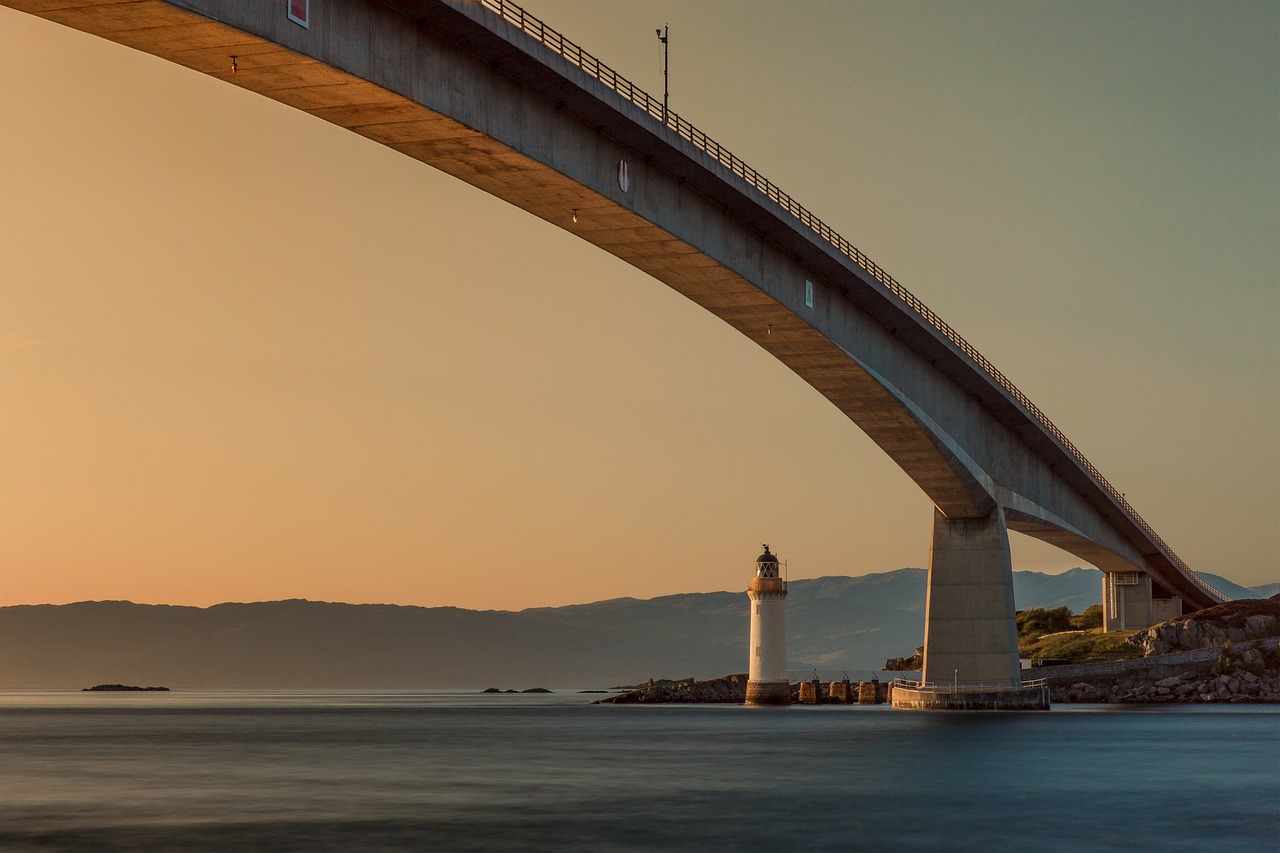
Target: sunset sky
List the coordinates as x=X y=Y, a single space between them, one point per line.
x=246 y=355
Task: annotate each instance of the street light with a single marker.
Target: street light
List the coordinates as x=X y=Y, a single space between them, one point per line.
x=662 y=37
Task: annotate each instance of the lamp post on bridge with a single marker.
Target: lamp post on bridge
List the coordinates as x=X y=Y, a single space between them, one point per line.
x=662 y=37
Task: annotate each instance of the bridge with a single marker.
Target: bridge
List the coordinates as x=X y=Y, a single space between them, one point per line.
x=484 y=91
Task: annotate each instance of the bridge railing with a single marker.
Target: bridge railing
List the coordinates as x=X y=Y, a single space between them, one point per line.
x=515 y=15
x=961 y=687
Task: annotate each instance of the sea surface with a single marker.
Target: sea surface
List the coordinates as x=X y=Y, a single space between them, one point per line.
x=449 y=770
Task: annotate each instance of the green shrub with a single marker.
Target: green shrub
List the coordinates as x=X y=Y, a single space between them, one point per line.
x=1224 y=664
x=1038 y=621
x=1090 y=618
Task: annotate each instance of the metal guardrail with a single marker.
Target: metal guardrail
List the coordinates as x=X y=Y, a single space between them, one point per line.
x=948 y=687
x=553 y=40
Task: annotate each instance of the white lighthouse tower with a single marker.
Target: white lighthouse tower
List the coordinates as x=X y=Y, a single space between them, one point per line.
x=767 y=674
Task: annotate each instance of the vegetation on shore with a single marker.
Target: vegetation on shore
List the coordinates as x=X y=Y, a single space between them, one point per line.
x=1055 y=633
x=1081 y=646
x=1040 y=620
x=1059 y=634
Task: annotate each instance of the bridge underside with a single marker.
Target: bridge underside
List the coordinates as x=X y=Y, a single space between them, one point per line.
x=444 y=143
x=447 y=94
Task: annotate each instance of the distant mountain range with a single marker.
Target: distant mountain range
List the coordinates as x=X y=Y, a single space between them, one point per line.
x=833 y=624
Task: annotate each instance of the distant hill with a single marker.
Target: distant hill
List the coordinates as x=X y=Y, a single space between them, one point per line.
x=1075 y=588
x=1234 y=590
x=833 y=624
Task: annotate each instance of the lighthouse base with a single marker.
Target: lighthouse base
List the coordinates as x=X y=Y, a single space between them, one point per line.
x=768 y=693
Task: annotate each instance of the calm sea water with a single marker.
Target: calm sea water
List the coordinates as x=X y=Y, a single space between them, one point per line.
x=439 y=770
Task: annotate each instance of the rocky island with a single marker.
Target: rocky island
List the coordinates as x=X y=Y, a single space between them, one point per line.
x=118 y=688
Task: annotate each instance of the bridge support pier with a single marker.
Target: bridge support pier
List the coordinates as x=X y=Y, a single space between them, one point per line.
x=970 y=634
x=1131 y=602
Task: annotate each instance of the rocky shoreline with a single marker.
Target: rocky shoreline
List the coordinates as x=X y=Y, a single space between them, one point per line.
x=1147 y=683
x=728 y=690
x=732 y=690
x=1190 y=687
x=1224 y=654
x=1244 y=673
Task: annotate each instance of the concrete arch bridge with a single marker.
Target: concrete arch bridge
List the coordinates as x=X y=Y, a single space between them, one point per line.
x=487 y=93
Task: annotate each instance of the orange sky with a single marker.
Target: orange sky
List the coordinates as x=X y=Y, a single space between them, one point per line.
x=245 y=355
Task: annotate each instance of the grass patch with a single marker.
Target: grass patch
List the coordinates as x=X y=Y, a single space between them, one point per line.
x=1081 y=646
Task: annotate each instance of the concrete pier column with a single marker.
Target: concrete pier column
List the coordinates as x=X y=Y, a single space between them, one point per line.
x=970 y=635
x=1129 y=602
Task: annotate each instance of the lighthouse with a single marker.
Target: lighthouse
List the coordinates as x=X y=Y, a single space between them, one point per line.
x=767 y=673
